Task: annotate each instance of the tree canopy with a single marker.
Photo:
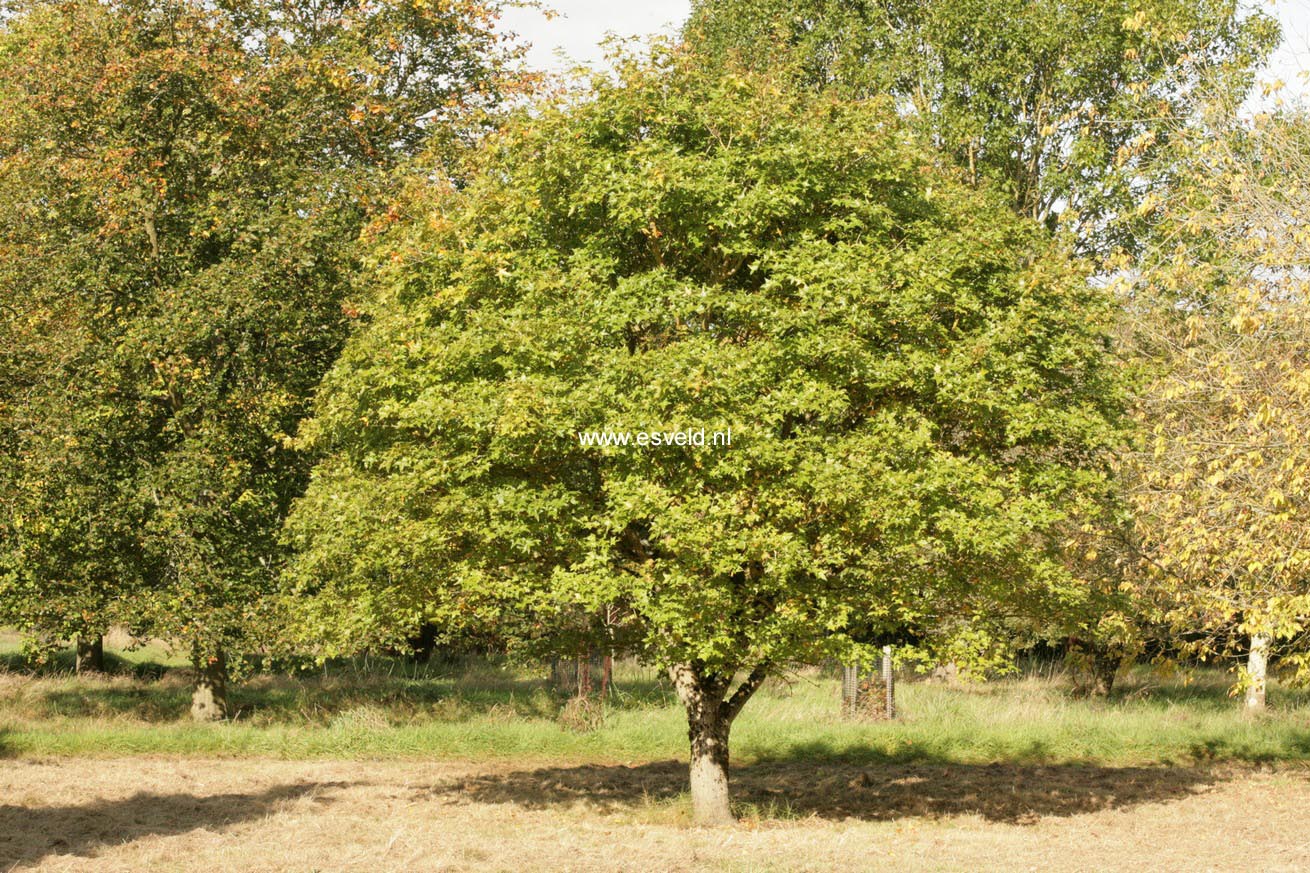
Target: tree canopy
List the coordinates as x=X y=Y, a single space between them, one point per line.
x=1058 y=102
x=184 y=184
x=914 y=379
x=1221 y=324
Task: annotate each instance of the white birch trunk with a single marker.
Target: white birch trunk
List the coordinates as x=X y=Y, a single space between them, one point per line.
x=1257 y=662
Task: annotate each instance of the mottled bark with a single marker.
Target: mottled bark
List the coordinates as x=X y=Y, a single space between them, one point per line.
x=209 y=698
x=710 y=713
x=948 y=672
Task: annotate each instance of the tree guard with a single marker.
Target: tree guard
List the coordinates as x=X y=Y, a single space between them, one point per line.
x=582 y=676
x=870 y=695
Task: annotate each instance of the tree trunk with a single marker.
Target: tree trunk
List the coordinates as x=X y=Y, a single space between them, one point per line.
x=709 y=772
x=209 y=699
x=584 y=674
x=701 y=696
x=948 y=672
x=91 y=654
x=1257 y=662
x=710 y=713
x=1105 y=667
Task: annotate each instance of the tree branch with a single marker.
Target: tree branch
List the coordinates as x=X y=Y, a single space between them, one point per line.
x=729 y=708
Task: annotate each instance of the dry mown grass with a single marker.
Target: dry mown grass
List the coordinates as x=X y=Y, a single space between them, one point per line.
x=186 y=814
x=335 y=771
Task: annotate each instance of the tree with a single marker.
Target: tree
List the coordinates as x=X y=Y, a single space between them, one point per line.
x=1069 y=107
x=66 y=526
x=1222 y=324
x=913 y=379
x=179 y=252
x=1058 y=102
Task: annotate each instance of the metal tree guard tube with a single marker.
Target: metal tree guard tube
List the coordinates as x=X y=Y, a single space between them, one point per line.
x=888 y=682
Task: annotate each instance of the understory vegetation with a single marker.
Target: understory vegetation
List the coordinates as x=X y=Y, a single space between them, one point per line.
x=372 y=708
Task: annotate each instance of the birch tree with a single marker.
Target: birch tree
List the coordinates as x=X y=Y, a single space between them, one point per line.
x=1222 y=322
x=1045 y=98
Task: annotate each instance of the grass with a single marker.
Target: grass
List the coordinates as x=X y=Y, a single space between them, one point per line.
x=386 y=709
x=474 y=766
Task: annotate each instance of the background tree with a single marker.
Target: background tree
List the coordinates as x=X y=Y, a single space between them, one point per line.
x=1058 y=102
x=1222 y=324
x=188 y=182
x=1067 y=106
x=912 y=375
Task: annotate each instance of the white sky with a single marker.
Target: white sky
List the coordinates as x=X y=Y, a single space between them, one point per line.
x=1291 y=62
x=582 y=24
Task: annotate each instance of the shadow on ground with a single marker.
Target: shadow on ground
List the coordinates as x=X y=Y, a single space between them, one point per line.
x=62 y=663
x=278 y=699
x=30 y=833
x=1012 y=793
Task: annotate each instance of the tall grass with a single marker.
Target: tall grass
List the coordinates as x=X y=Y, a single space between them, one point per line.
x=390 y=709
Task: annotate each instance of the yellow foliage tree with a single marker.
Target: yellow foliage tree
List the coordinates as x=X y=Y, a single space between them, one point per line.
x=1222 y=325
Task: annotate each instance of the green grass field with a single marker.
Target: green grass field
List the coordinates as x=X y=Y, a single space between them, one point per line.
x=391 y=709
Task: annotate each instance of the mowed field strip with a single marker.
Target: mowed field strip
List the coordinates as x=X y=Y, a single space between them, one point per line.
x=159 y=814
x=481 y=767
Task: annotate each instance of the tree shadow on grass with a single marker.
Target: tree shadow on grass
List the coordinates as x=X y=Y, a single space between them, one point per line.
x=30 y=833
x=1016 y=793
x=312 y=699
x=63 y=663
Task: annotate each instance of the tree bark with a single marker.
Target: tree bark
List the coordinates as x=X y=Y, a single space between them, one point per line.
x=1105 y=667
x=710 y=713
x=209 y=698
x=1257 y=662
x=584 y=674
x=710 y=800
x=91 y=654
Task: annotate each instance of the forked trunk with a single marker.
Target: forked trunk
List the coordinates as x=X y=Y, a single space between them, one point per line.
x=209 y=699
x=1257 y=663
x=91 y=654
x=710 y=713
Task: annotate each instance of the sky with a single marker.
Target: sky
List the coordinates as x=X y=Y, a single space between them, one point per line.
x=1291 y=63
x=582 y=24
